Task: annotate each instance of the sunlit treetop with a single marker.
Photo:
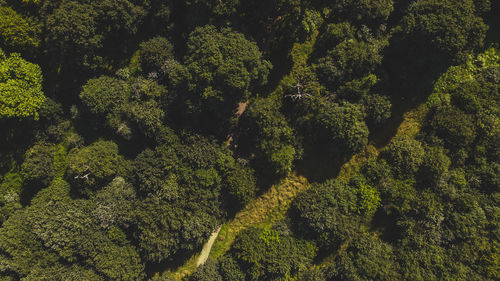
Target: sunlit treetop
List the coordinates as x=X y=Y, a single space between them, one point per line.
x=21 y=93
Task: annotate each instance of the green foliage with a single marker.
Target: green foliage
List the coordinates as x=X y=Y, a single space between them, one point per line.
x=348 y=60
x=38 y=166
x=328 y=213
x=241 y=185
x=264 y=127
x=10 y=190
x=204 y=125
x=78 y=32
x=434 y=165
x=334 y=34
x=368 y=197
x=127 y=107
x=366 y=258
x=21 y=93
x=94 y=166
x=404 y=155
x=105 y=95
x=155 y=52
x=377 y=109
x=267 y=255
x=181 y=183
x=223 y=66
x=207 y=272
x=450 y=27
x=230 y=269
x=454 y=126
x=57 y=232
x=17 y=32
x=367 y=11
x=341 y=128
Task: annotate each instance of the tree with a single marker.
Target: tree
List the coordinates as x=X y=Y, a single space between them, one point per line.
x=105 y=95
x=434 y=165
x=455 y=127
x=341 y=128
x=348 y=60
x=268 y=255
x=241 y=185
x=224 y=67
x=264 y=127
x=57 y=232
x=363 y=11
x=328 y=213
x=404 y=155
x=206 y=272
x=127 y=107
x=17 y=33
x=21 y=93
x=366 y=258
x=450 y=28
x=155 y=52
x=79 y=34
x=38 y=166
x=94 y=166
x=377 y=109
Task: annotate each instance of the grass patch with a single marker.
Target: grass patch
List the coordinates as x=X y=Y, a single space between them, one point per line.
x=261 y=212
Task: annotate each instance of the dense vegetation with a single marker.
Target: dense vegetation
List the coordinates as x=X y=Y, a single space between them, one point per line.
x=130 y=130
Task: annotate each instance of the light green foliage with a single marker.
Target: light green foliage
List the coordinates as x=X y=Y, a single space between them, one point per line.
x=368 y=199
x=16 y=32
x=21 y=93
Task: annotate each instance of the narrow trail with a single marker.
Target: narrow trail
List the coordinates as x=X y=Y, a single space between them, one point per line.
x=202 y=258
x=262 y=211
x=270 y=206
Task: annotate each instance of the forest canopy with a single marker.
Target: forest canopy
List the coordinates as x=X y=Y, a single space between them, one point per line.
x=238 y=140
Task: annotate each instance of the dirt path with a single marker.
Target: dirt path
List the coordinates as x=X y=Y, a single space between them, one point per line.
x=202 y=258
x=232 y=138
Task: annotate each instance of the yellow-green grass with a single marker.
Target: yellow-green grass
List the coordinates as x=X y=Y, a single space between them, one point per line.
x=262 y=211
